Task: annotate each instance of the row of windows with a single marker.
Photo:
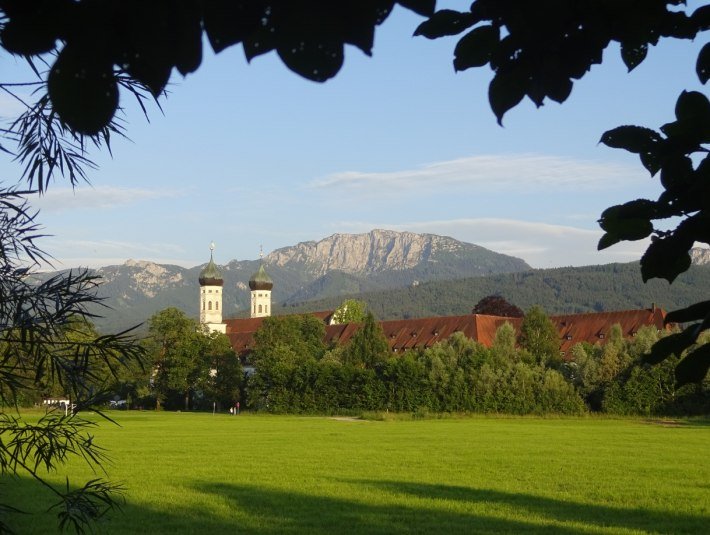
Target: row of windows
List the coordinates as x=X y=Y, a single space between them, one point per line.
x=265 y=310
x=210 y=291
x=209 y=305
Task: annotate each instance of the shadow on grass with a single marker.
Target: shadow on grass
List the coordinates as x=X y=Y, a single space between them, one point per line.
x=252 y=509
x=592 y=516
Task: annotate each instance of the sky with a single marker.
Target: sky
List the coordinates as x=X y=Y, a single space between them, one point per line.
x=252 y=155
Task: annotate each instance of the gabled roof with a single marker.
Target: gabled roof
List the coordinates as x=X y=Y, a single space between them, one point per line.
x=594 y=327
x=421 y=333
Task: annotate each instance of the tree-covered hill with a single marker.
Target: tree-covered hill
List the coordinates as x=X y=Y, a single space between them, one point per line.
x=558 y=291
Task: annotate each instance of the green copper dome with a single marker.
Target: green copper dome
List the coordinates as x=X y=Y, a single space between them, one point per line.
x=210 y=275
x=261 y=280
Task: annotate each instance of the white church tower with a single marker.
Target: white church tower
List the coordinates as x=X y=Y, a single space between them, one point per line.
x=211 y=283
x=261 y=285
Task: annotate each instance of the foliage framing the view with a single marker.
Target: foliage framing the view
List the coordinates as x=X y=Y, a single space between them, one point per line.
x=47 y=346
x=538 y=49
x=535 y=49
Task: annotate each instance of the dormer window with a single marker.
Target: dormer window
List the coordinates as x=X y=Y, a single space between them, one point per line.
x=568 y=337
x=601 y=336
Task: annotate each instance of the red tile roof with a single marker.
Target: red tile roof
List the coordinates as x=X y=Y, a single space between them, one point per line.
x=421 y=333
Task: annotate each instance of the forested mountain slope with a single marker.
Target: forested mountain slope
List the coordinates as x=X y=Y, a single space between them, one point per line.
x=558 y=291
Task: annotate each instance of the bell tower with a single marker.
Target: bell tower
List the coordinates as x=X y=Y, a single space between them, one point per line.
x=211 y=283
x=261 y=285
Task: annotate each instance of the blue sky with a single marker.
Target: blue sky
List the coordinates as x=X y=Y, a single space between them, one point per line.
x=252 y=154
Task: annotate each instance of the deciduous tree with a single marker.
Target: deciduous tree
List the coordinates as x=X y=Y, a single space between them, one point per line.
x=350 y=311
x=539 y=336
x=496 y=305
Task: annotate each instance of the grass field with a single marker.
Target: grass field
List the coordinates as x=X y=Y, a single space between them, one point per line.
x=198 y=473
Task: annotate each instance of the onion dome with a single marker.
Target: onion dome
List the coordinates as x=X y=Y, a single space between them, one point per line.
x=261 y=280
x=210 y=275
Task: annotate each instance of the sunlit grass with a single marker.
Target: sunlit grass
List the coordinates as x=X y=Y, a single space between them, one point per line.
x=198 y=473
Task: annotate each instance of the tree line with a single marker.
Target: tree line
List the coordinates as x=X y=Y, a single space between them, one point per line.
x=519 y=374
x=296 y=370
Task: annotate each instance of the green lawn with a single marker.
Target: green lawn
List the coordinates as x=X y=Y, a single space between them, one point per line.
x=198 y=473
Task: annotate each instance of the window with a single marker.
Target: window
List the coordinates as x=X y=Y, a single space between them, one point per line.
x=266 y=309
x=209 y=305
x=259 y=309
x=254 y=309
x=203 y=305
x=216 y=305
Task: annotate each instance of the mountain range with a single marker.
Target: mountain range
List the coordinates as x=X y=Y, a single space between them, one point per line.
x=342 y=264
x=399 y=275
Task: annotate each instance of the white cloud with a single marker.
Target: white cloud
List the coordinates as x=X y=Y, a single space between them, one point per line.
x=92 y=198
x=487 y=173
x=540 y=244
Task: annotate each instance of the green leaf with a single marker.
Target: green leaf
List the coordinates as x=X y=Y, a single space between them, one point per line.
x=315 y=59
x=632 y=229
x=425 y=8
x=694 y=312
x=636 y=139
x=701 y=18
x=475 y=48
x=677 y=172
x=607 y=240
x=187 y=36
x=558 y=88
x=694 y=367
x=653 y=160
x=505 y=91
x=445 y=22
x=633 y=55
x=259 y=43
x=673 y=344
x=692 y=107
x=638 y=208
x=665 y=258
x=228 y=22
x=27 y=36
x=83 y=90
x=702 y=67
x=629 y=221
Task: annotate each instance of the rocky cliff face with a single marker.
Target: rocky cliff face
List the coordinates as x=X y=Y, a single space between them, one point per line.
x=142 y=277
x=342 y=264
x=376 y=251
x=700 y=257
